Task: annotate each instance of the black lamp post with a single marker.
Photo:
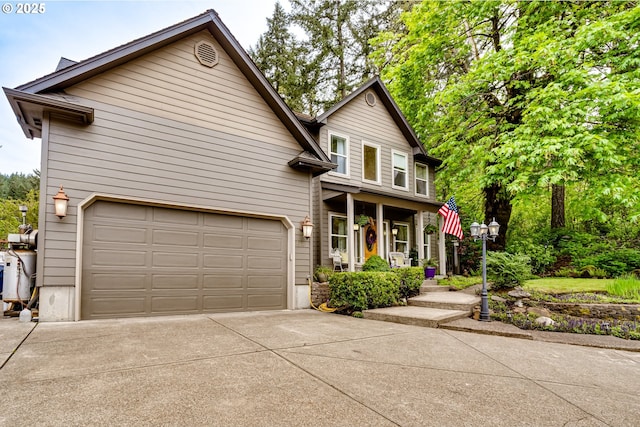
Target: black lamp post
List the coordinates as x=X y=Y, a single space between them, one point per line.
x=484 y=233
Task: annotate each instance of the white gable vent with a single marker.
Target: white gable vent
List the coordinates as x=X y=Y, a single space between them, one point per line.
x=206 y=53
x=370 y=98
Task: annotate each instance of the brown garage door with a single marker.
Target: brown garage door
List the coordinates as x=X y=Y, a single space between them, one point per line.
x=145 y=261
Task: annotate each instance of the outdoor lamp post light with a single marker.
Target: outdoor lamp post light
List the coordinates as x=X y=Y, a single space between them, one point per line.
x=484 y=233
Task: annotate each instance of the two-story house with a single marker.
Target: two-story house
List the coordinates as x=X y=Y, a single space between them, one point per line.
x=381 y=196
x=188 y=179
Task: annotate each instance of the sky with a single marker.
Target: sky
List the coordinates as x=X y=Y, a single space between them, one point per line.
x=31 y=45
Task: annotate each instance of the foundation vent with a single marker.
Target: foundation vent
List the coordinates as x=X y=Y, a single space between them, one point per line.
x=206 y=54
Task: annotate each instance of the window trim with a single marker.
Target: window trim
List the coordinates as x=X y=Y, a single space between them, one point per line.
x=346 y=138
x=393 y=167
x=378 y=166
x=331 y=235
x=415 y=177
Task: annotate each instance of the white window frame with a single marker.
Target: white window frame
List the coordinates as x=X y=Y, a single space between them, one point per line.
x=407 y=242
x=331 y=134
x=427 y=246
x=331 y=235
x=393 y=169
x=378 y=181
x=426 y=180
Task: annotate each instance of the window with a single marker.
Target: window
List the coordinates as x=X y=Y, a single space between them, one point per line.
x=400 y=171
x=370 y=162
x=427 y=246
x=338 y=233
x=401 y=240
x=339 y=153
x=422 y=180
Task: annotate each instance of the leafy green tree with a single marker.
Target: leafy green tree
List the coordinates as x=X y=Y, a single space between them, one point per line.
x=11 y=217
x=517 y=96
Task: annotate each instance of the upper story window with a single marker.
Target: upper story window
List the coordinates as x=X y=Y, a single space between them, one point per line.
x=371 y=162
x=422 y=180
x=400 y=170
x=339 y=153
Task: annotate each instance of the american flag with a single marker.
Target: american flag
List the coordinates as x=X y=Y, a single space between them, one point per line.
x=449 y=212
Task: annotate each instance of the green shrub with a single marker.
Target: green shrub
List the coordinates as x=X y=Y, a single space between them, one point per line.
x=615 y=262
x=358 y=291
x=541 y=255
x=411 y=279
x=507 y=270
x=376 y=263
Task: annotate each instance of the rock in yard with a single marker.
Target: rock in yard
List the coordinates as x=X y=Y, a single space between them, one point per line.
x=539 y=311
x=519 y=293
x=497 y=298
x=545 y=321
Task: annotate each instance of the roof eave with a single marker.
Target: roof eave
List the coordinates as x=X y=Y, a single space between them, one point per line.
x=29 y=110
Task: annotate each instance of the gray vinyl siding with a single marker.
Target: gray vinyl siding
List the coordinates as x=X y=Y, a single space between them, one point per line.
x=168 y=129
x=375 y=125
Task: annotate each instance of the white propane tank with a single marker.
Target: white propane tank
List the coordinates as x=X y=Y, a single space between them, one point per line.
x=19 y=266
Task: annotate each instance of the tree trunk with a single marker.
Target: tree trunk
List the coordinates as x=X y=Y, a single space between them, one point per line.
x=557 y=206
x=497 y=205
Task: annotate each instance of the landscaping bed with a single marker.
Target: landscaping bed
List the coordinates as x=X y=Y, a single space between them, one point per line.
x=567 y=313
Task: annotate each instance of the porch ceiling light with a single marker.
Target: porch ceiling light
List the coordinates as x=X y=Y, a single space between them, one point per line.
x=307 y=227
x=61 y=203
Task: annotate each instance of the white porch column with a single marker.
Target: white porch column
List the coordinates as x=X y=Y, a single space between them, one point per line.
x=382 y=250
x=351 y=246
x=441 y=248
x=420 y=236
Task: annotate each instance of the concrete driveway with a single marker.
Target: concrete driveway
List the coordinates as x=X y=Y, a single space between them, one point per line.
x=303 y=368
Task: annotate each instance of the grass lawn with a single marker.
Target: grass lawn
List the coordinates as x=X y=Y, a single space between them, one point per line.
x=566 y=285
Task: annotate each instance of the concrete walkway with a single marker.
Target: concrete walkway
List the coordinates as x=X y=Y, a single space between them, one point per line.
x=303 y=368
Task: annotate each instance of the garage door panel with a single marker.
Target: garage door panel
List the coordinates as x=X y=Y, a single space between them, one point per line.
x=264 y=244
x=174 y=216
x=174 y=281
x=115 y=257
x=223 y=261
x=115 y=234
x=265 y=263
x=264 y=281
x=119 y=211
x=220 y=281
x=264 y=301
x=174 y=304
x=225 y=302
x=175 y=259
x=222 y=241
x=115 y=281
x=224 y=222
x=119 y=306
x=166 y=261
x=175 y=238
x=264 y=226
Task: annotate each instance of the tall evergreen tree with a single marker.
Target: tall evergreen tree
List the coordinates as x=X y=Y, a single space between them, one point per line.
x=284 y=61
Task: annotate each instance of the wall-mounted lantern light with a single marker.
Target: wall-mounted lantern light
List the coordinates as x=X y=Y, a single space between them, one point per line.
x=307 y=227
x=356 y=227
x=394 y=231
x=60 y=203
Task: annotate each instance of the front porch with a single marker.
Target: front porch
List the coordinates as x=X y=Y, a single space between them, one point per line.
x=361 y=223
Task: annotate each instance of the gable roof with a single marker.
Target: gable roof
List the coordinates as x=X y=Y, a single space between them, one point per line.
x=383 y=95
x=71 y=73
